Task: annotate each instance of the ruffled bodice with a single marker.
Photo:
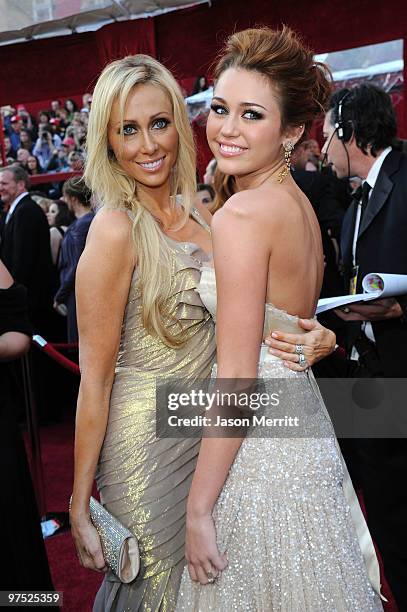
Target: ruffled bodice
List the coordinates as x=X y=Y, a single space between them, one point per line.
x=183 y=308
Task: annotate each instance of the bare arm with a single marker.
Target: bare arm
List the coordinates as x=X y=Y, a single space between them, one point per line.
x=241 y=266
x=102 y=286
x=13 y=345
x=56 y=239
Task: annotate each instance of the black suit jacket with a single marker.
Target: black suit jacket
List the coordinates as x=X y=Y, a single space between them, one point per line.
x=328 y=196
x=382 y=247
x=25 y=250
x=329 y=211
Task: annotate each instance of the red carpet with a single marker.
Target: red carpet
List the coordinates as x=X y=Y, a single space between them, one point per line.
x=78 y=585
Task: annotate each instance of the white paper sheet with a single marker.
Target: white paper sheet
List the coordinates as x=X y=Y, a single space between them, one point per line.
x=375 y=285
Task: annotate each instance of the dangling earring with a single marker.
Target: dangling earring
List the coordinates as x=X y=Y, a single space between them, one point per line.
x=288 y=149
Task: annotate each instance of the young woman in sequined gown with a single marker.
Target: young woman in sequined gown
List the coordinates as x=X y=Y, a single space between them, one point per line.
x=140 y=318
x=272 y=522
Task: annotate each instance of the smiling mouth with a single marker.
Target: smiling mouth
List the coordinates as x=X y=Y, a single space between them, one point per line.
x=151 y=166
x=231 y=150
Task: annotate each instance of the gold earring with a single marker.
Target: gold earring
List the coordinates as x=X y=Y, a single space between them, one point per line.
x=288 y=149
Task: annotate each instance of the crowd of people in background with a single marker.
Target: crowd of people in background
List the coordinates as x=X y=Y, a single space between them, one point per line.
x=54 y=141
x=51 y=142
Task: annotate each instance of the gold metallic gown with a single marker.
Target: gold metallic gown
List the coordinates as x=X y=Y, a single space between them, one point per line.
x=142 y=480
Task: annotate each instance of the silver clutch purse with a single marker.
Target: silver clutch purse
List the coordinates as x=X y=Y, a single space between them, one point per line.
x=119 y=545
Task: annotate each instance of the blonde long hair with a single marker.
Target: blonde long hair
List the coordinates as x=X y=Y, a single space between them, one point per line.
x=114 y=188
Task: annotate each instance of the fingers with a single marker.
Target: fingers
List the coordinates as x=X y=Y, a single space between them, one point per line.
x=292 y=357
x=308 y=324
x=351 y=316
x=296 y=366
x=93 y=560
x=219 y=562
x=99 y=562
x=192 y=573
x=367 y=311
x=280 y=346
x=291 y=339
x=206 y=571
x=210 y=570
x=201 y=574
x=286 y=352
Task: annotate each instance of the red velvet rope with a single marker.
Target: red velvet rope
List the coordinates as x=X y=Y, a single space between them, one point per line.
x=49 y=350
x=52 y=177
x=64 y=345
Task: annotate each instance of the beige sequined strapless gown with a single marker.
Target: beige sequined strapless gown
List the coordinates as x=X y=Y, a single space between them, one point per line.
x=144 y=481
x=282 y=516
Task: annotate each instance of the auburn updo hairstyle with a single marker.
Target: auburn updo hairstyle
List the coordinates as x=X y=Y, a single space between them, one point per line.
x=303 y=85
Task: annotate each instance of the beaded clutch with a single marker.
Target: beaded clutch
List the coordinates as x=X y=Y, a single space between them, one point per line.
x=119 y=545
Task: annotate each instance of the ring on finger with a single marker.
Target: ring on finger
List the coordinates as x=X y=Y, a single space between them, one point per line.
x=302 y=360
x=299 y=349
x=211 y=578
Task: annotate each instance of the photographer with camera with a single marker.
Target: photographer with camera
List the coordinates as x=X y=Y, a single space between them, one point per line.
x=46 y=150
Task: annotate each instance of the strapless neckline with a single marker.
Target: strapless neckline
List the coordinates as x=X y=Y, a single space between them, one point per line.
x=210 y=285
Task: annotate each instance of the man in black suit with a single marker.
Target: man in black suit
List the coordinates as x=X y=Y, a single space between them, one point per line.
x=25 y=245
x=360 y=130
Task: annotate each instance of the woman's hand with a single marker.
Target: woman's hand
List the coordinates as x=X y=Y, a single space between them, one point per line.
x=87 y=544
x=318 y=342
x=201 y=550
x=377 y=310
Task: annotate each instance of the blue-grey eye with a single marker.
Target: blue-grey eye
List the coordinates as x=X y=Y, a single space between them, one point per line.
x=218 y=109
x=129 y=130
x=160 y=124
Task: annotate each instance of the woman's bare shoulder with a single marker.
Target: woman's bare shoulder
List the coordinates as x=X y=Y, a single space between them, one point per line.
x=239 y=205
x=261 y=204
x=55 y=233
x=111 y=225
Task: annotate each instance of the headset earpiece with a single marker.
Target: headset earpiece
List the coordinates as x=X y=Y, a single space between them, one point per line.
x=339 y=130
x=339 y=122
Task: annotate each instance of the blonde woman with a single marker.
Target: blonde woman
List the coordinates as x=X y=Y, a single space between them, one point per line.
x=140 y=318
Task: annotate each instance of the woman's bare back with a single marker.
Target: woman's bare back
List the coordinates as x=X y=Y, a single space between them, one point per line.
x=296 y=265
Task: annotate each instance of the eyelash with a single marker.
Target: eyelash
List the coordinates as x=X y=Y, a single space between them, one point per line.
x=255 y=116
x=162 y=120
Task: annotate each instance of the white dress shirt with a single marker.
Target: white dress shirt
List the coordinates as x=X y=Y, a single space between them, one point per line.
x=371 y=180
x=14 y=205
